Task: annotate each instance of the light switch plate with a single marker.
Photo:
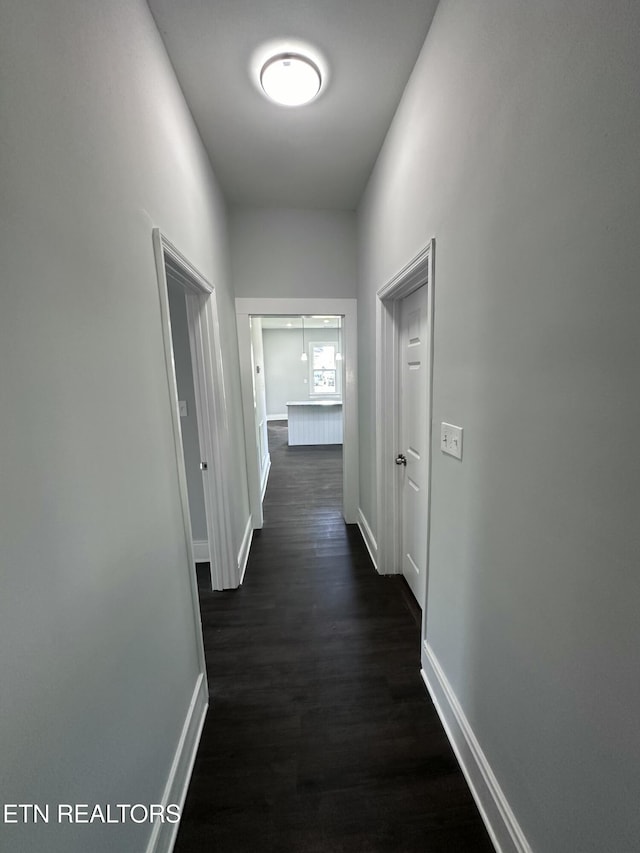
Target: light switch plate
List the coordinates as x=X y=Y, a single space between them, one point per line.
x=451 y=440
x=182 y=405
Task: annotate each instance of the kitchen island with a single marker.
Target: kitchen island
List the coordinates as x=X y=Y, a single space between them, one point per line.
x=315 y=422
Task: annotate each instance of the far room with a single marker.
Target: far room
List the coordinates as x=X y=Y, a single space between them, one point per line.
x=303 y=377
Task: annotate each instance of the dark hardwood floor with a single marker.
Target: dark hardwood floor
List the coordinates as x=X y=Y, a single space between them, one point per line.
x=321 y=736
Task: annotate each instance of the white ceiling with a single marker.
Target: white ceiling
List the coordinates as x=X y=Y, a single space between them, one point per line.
x=317 y=156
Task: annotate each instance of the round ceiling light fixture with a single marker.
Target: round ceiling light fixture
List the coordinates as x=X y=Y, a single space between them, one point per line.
x=290 y=79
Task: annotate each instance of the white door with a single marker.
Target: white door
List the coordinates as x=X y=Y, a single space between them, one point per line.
x=414 y=454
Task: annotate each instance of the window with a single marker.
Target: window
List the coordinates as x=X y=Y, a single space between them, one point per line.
x=323 y=367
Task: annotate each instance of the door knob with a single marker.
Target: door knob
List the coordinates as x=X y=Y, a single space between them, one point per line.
x=400 y=459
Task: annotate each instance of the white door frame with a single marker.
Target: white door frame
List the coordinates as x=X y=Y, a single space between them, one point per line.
x=264 y=306
x=211 y=410
x=417 y=272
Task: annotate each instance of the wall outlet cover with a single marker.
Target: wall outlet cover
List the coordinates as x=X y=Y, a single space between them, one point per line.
x=451 y=440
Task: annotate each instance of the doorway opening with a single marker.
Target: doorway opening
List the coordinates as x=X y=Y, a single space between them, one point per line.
x=193 y=463
x=298 y=374
x=193 y=361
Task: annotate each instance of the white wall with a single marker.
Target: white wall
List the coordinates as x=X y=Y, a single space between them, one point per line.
x=516 y=146
x=286 y=376
x=293 y=253
x=99 y=657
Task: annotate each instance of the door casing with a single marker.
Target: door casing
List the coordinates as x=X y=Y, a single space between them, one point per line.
x=417 y=272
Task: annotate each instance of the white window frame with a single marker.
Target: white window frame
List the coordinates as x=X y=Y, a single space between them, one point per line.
x=338 y=368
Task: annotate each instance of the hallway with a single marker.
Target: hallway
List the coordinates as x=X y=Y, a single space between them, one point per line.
x=320 y=735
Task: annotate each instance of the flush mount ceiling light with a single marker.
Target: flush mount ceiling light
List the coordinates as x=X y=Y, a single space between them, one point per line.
x=290 y=79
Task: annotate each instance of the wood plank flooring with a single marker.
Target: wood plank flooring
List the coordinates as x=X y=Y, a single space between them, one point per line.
x=321 y=737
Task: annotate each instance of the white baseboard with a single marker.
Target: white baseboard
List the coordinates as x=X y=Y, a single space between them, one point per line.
x=284 y=417
x=243 y=553
x=163 y=835
x=265 y=477
x=501 y=823
x=201 y=551
x=369 y=540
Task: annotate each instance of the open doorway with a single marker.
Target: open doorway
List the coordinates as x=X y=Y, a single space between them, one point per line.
x=187 y=407
x=297 y=369
x=298 y=372
x=297 y=375
x=193 y=360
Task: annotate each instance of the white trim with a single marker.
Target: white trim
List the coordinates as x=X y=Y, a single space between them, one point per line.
x=284 y=417
x=252 y=452
x=263 y=306
x=265 y=477
x=417 y=272
x=243 y=553
x=367 y=535
x=211 y=408
x=163 y=835
x=201 y=551
x=505 y=831
x=410 y=277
